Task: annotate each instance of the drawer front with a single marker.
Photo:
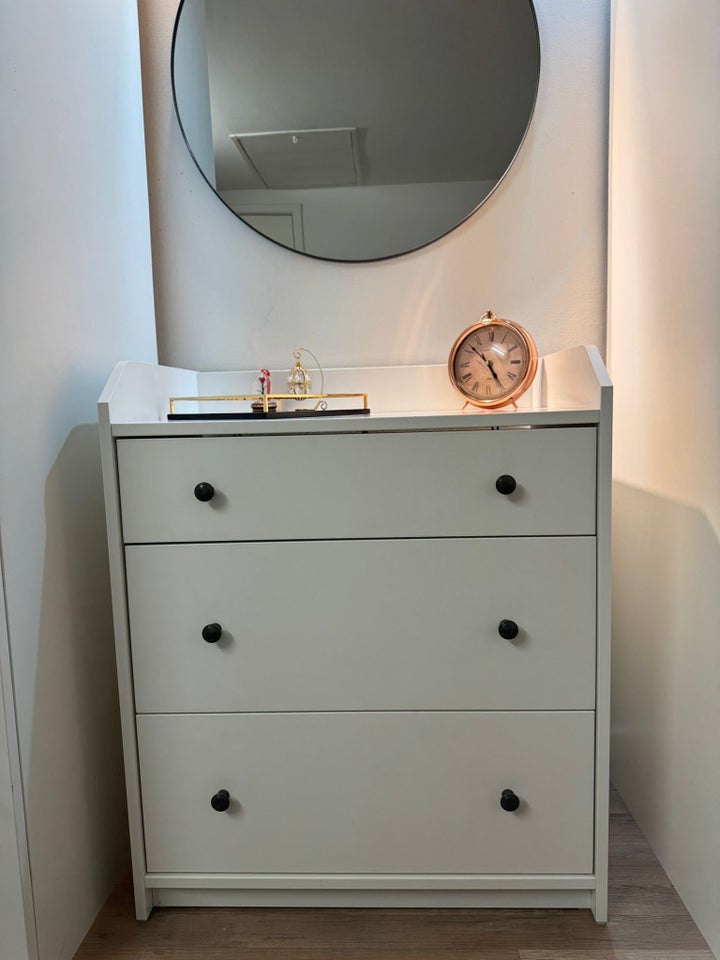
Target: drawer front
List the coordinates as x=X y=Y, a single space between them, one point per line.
x=359 y=486
x=368 y=793
x=364 y=625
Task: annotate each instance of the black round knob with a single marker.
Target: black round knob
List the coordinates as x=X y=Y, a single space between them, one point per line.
x=221 y=801
x=509 y=801
x=505 y=484
x=212 y=632
x=507 y=629
x=204 y=492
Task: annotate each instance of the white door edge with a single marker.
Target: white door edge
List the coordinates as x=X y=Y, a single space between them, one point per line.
x=18 y=927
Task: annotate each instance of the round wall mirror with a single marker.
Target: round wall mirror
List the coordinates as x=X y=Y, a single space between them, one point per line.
x=354 y=130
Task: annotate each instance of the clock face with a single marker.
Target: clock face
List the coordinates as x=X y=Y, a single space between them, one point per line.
x=493 y=362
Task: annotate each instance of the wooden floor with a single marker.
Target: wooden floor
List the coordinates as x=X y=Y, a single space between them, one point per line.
x=647 y=922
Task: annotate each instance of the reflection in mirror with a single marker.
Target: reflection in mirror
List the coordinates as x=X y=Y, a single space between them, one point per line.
x=355 y=129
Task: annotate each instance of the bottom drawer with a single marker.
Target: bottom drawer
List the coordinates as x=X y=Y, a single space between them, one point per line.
x=368 y=792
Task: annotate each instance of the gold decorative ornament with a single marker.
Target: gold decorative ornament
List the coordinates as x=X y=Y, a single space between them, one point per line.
x=493 y=362
x=299 y=380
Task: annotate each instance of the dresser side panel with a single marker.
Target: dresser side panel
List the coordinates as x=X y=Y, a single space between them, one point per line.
x=604 y=616
x=143 y=897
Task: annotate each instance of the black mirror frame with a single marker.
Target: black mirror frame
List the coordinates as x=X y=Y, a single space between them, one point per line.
x=391 y=256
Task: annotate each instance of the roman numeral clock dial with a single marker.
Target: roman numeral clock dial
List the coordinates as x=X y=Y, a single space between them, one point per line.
x=493 y=362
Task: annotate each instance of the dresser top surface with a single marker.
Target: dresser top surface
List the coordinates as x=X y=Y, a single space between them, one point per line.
x=570 y=388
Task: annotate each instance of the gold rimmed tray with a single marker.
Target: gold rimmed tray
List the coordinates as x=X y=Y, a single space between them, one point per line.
x=270 y=405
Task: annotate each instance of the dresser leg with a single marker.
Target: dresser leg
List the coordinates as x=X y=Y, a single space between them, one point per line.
x=599 y=905
x=143 y=903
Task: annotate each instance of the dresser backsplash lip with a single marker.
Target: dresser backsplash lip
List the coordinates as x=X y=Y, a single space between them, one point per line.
x=568 y=389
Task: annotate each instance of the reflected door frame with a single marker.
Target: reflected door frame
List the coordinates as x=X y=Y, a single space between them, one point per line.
x=260 y=216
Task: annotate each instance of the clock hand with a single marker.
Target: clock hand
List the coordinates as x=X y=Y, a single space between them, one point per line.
x=488 y=363
x=491 y=368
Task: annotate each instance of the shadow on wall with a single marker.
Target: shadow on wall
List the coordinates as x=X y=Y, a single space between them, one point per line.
x=75 y=794
x=666 y=686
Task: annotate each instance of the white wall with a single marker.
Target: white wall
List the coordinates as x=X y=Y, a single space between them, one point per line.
x=227 y=298
x=665 y=361
x=75 y=296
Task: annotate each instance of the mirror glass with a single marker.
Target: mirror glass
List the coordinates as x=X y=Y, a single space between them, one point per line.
x=354 y=129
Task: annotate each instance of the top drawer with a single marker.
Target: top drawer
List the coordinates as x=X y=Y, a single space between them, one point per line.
x=369 y=485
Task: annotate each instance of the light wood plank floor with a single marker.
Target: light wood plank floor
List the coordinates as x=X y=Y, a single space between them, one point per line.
x=648 y=921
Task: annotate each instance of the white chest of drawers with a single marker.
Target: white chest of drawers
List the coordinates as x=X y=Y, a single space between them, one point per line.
x=354 y=672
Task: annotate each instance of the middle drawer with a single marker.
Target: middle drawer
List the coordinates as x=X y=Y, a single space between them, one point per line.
x=364 y=625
